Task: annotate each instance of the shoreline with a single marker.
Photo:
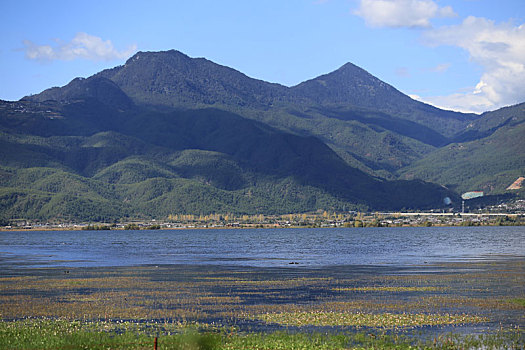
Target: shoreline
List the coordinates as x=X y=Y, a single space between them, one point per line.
x=250 y=227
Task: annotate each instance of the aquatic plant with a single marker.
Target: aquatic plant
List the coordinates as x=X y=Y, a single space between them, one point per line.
x=173 y=299
x=388 y=289
x=358 y=319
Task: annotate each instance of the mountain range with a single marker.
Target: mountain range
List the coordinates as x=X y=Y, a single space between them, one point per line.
x=165 y=133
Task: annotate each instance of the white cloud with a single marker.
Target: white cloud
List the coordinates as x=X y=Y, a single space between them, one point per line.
x=466 y=103
x=440 y=68
x=499 y=49
x=403 y=72
x=401 y=13
x=81 y=46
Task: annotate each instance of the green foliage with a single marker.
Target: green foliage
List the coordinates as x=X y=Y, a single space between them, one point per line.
x=518 y=301
x=20 y=203
x=133 y=170
x=508 y=221
x=490 y=164
x=87 y=199
x=242 y=167
x=42 y=193
x=133 y=227
x=97 y=227
x=213 y=168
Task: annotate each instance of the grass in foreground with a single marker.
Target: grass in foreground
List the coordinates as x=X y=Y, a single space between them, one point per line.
x=64 y=334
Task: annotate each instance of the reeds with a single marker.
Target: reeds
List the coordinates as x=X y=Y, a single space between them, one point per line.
x=169 y=300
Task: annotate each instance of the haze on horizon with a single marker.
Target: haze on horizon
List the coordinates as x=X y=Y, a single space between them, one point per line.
x=464 y=55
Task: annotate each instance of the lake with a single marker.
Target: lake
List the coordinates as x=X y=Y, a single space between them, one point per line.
x=261 y=247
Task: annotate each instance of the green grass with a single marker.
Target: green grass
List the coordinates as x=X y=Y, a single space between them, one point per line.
x=518 y=301
x=64 y=334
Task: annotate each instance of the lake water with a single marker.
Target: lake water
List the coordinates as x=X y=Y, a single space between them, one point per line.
x=261 y=247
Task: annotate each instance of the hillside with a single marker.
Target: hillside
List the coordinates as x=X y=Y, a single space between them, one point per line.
x=87 y=160
x=490 y=163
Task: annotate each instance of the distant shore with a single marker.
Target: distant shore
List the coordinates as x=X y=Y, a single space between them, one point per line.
x=410 y=219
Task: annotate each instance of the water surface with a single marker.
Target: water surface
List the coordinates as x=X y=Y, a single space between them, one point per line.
x=261 y=247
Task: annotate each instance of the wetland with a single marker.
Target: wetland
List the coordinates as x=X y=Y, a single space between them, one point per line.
x=322 y=288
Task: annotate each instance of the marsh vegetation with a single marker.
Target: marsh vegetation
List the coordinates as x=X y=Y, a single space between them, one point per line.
x=192 y=307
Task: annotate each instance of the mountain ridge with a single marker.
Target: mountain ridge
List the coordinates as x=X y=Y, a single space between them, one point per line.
x=487 y=157
x=176 y=80
x=172 y=73
x=171 y=79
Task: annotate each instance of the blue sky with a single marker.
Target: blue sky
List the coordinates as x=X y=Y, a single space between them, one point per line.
x=466 y=55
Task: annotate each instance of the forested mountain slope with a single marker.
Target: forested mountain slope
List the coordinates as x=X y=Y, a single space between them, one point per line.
x=83 y=160
x=490 y=159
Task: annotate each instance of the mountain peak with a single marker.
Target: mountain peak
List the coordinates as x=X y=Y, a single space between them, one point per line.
x=349 y=85
x=157 y=54
x=171 y=78
x=349 y=66
x=96 y=87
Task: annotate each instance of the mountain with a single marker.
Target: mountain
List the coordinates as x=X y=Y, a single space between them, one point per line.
x=488 y=156
x=490 y=122
x=353 y=86
x=342 y=108
x=173 y=79
x=166 y=133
